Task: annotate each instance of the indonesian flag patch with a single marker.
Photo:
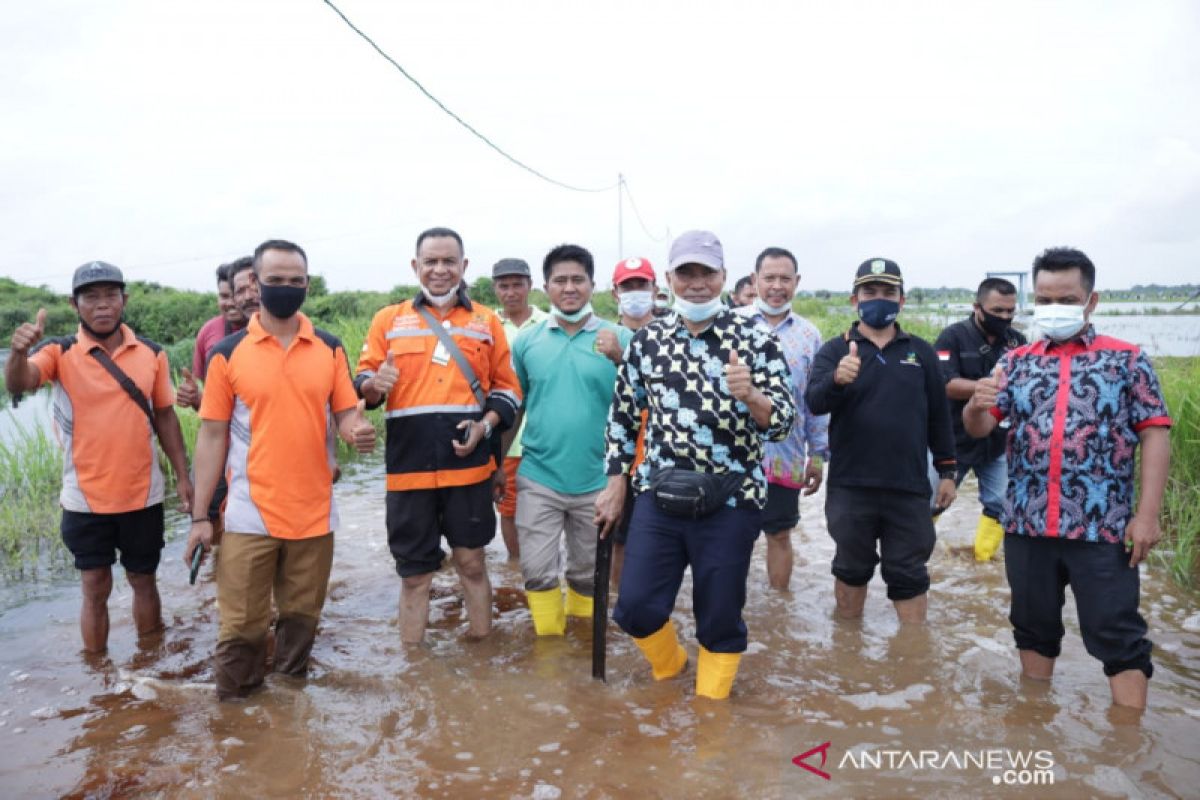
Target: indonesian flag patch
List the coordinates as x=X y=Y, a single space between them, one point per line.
x=943 y=355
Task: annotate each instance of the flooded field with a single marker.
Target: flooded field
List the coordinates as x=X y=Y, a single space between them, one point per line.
x=517 y=717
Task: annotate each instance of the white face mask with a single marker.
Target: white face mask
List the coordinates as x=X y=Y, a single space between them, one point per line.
x=770 y=310
x=440 y=300
x=1059 y=322
x=574 y=316
x=697 y=312
x=635 y=304
x=662 y=302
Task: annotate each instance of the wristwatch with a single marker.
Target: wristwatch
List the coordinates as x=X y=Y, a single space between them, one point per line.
x=948 y=474
x=487 y=429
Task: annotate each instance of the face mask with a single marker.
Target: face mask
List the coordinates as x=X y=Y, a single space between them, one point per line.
x=574 y=316
x=996 y=326
x=281 y=301
x=440 y=300
x=770 y=310
x=1059 y=322
x=878 y=313
x=697 y=312
x=661 y=302
x=635 y=304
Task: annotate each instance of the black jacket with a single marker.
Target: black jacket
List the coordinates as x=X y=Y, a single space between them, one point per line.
x=883 y=425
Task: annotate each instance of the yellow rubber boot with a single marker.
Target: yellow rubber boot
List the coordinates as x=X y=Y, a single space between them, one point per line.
x=662 y=649
x=715 y=673
x=546 y=608
x=578 y=605
x=988 y=536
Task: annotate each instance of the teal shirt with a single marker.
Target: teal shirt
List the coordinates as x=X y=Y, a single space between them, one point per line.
x=567 y=388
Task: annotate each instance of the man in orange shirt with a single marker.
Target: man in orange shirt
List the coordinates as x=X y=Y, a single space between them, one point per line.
x=271 y=388
x=112 y=492
x=439 y=466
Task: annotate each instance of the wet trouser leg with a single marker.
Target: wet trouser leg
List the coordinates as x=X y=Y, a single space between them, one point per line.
x=719 y=548
x=655 y=560
x=541 y=516
x=993 y=481
x=301 y=579
x=245 y=575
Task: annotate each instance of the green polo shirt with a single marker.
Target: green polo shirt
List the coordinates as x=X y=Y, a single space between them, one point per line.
x=567 y=388
x=511 y=330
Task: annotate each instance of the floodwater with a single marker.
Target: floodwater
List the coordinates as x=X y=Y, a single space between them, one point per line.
x=514 y=716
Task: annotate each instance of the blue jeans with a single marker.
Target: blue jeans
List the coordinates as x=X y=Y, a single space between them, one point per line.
x=993 y=480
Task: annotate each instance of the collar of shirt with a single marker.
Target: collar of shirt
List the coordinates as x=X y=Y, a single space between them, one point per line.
x=1079 y=343
x=89 y=342
x=758 y=316
x=592 y=323
x=855 y=334
x=460 y=296
x=536 y=315
x=257 y=333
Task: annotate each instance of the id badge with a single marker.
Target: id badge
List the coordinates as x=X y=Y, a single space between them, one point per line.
x=441 y=356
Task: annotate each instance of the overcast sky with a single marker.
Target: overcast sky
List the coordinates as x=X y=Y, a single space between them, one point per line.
x=955 y=137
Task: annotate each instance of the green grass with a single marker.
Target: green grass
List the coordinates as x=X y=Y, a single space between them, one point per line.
x=30 y=478
x=1180 y=378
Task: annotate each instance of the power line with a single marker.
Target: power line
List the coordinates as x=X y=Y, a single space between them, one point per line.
x=625 y=188
x=456 y=117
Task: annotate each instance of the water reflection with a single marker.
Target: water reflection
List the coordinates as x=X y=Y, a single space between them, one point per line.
x=517 y=716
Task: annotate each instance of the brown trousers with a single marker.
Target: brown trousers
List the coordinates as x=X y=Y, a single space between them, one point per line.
x=251 y=568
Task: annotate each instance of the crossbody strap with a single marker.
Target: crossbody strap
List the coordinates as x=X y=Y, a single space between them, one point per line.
x=460 y=359
x=126 y=383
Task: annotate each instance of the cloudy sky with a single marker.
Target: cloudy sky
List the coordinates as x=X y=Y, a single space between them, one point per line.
x=954 y=137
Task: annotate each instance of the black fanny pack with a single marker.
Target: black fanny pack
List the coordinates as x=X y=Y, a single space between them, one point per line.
x=692 y=495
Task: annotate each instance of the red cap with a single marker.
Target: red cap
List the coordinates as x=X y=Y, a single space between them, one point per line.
x=633 y=268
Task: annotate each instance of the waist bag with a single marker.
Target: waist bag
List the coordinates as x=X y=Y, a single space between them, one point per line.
x=692 y=495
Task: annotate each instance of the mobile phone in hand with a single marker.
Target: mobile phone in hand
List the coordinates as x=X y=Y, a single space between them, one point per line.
x=464 y=435
x=196 y=556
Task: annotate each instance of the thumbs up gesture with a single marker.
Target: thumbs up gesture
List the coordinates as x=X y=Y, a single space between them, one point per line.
x=357 y=430
x=986 y=389
x=28 y=334
x=737 y=375
x=847 y=368
x=387 y=375
x=188 y=393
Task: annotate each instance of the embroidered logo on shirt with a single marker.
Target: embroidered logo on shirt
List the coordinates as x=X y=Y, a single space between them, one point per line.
x=911 y=359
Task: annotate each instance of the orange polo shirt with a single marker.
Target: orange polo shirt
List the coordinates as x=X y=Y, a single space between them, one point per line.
x=278 y=404
x=111 y=465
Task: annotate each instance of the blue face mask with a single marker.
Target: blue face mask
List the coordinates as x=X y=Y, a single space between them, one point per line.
x=878 y=313
x=697 y=312
x=574 y=316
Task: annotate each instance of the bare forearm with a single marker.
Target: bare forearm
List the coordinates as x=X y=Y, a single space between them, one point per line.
x=171 y=438
x=978 y=422
x=209 y=458
x=19 y=375
x=1156 y=464
x=960 y=389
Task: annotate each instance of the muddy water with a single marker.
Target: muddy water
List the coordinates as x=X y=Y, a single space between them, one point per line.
x=518 y=717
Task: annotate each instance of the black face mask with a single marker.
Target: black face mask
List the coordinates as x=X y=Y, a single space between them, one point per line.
x=994 y=325
x=281 y=301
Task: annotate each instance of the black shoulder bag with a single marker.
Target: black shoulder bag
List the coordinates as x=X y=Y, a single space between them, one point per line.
x=127 y=384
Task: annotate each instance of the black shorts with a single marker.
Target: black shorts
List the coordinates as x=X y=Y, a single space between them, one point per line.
x=94 y=539
x=782 y=511
x=1106 y=596
x=417 y=520
x=900 y=523
x=621 y=533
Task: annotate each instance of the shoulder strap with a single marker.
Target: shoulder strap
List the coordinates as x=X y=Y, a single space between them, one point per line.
x=447 y=341
x=127 y=384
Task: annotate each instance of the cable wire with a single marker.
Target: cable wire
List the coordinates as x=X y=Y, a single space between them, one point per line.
x=459 y=119
x=625 y=188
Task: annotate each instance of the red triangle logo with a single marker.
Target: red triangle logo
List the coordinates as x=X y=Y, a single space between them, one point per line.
x=823 y=749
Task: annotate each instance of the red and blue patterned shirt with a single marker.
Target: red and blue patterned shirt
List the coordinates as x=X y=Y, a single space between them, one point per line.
x=1075 y=410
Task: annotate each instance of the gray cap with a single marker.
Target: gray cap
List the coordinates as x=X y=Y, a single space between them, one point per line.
x=697 y=247
x=511 y=266
x=96 y=272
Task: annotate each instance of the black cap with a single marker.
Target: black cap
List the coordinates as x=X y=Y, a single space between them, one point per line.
x=878 y=270
x=511 y=266
x=96 y=272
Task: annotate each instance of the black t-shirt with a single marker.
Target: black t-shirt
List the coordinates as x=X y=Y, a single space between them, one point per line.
x=964 y=352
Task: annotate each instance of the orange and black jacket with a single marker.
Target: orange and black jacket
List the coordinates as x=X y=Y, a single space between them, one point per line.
x=431 y=396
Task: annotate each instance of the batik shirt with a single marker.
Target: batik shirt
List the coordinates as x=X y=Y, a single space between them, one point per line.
x=800 y=341
x=694 y=422
x=1076 y=410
